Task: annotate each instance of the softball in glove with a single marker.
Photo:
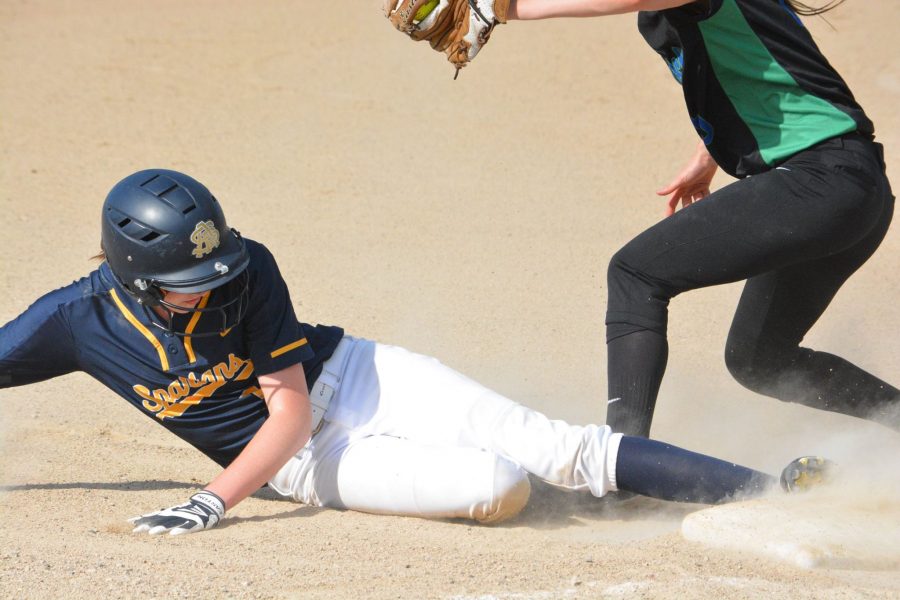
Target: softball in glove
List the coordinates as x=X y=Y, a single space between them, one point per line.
x=458 y=28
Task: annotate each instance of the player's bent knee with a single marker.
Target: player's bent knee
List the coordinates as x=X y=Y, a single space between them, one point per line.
x=618 y=270
x=755 y=370
x=511 y=491
x=739 y=365
x=629 y=287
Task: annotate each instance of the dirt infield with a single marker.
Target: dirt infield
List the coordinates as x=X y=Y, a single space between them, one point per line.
x=319 y=130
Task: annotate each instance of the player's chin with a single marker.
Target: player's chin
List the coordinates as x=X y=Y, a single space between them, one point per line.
x=185 y=308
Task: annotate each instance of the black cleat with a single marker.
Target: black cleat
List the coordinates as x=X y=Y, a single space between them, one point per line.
x=805 y=473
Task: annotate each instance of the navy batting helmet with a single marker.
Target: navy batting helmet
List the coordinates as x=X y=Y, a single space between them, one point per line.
x=162 y=230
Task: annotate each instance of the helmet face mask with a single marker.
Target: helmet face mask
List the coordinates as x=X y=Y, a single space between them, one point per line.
x=229 y=311
x=164 y=231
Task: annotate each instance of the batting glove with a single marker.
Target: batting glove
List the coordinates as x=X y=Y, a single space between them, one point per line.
x=203 y=511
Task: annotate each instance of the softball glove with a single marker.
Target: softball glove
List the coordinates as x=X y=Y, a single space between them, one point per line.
x=458 y=28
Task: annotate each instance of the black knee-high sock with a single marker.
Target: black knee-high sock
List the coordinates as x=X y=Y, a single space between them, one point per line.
x=667 y=472
x=636 y=363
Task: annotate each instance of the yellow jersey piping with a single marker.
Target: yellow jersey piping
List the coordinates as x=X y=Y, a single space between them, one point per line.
x=163 y=359
x=289 y=347
x=188 y=345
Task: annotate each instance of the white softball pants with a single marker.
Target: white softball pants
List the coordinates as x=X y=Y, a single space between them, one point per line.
x=406 y=435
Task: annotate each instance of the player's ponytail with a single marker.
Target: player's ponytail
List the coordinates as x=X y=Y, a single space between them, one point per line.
x=802 y=8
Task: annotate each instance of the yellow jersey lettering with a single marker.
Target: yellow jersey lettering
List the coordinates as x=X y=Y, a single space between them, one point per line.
x=184 y=392
x=149 y=402
x=179 y=388
x=253 y=391
x=246 y=371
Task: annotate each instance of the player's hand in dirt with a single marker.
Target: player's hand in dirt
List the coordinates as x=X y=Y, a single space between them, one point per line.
x=692 y=182
x=204 y=510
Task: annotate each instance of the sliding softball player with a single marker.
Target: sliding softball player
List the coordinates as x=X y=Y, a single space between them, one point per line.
x=194 y=326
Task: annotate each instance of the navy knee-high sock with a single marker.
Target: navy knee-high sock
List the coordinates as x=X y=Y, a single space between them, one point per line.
x=667 y=472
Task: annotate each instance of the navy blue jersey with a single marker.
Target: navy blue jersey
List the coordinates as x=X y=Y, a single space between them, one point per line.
x=202 y=389
x=757 y=88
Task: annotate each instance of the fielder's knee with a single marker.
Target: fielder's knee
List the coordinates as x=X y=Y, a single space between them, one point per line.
x=738 y=361
x=511 y=489
x=619 y=274
x=636 y=300
x=758 y=370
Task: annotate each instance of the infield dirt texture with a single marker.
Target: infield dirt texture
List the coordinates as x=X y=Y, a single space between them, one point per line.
x=471 y=220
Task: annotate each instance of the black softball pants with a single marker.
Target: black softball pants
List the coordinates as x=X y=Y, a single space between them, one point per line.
x=795 y=233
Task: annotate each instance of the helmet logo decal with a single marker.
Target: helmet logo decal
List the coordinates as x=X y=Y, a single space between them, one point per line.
x=205 y=238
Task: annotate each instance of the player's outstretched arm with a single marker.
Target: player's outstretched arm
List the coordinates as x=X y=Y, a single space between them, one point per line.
x=39 y=344
x=282 y=435
x=460 y=28
x=548 y=9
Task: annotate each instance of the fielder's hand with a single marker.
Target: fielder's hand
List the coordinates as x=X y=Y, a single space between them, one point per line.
x=203 y=511
x=692 y=183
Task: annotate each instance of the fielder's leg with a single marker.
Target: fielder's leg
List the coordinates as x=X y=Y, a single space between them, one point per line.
x=828 y=206
x=776 y=311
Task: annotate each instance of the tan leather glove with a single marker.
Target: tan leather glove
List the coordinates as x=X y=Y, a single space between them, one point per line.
x=458 y=28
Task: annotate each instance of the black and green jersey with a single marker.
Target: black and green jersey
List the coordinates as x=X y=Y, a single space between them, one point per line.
x=757 y=88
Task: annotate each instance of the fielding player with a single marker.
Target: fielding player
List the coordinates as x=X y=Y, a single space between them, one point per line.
x=811 y=204
x=194 y=326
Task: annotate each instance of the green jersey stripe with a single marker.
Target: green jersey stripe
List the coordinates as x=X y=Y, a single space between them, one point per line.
x=786 y=119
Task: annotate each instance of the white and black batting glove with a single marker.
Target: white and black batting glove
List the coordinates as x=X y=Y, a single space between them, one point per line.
x=203 y=511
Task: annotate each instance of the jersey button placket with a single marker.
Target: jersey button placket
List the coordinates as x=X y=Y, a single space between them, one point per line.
x=175 y=350
x=172 y=347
